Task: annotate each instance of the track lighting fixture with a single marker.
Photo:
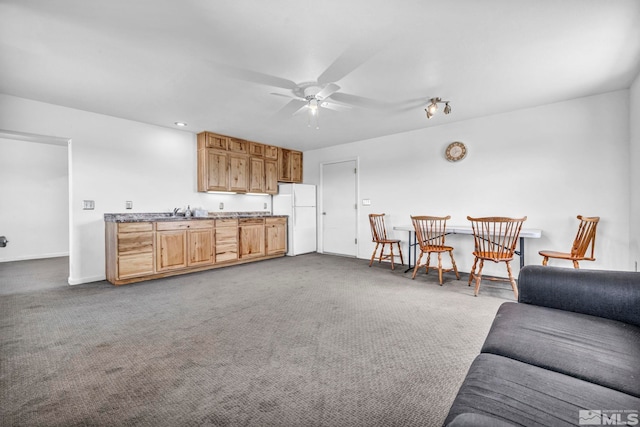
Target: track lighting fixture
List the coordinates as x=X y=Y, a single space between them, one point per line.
x=433 y=107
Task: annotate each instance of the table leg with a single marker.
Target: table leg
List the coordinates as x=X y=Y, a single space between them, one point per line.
x=411 y=237
x=521 y=252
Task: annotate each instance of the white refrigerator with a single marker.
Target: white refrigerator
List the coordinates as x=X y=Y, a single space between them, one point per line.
x=298 y=201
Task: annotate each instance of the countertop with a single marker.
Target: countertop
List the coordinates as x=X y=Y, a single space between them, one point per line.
x=168 y=216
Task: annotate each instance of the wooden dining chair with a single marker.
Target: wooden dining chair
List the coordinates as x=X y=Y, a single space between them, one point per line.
x=495 y=240
x=585 y=239
x=379 y=236
x=430 y=236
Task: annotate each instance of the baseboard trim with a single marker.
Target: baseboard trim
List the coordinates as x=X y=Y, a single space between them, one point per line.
x=83 y=280
x=29 y=257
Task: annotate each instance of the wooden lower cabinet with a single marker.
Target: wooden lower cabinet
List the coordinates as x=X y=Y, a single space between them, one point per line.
x=275 y=236
x=251 y=237
x=138 y=251
x=130 y=250
x=226 y=237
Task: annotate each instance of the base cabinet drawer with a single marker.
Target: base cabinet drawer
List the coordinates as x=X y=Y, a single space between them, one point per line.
x=135 y=265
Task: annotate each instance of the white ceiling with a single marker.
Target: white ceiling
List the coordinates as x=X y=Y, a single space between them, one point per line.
x=215 y=64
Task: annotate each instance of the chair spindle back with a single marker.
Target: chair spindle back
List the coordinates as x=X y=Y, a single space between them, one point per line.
x=585 y=238
x=496 y=237
x=378 y=229
x=430 y=231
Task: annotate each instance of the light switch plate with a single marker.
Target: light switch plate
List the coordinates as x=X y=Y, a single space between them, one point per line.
x=88 y=204
x=366 y=202
x=221 y=206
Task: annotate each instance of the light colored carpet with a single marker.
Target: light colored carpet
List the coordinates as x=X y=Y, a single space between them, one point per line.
x=313 y=340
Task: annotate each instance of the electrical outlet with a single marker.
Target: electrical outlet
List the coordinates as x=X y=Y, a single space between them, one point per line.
x=265 y=205
x=88 y=205
x=128 y=204
x=221 y=206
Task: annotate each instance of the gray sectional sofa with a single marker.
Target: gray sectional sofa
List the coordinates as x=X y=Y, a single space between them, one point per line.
x=568 y=353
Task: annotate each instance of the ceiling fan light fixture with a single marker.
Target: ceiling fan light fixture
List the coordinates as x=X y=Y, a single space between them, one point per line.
x=313 y=105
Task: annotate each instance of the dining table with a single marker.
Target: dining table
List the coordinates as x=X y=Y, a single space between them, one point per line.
x=525 y=233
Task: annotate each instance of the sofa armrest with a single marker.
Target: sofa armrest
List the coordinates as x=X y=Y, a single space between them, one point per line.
x=610 y=294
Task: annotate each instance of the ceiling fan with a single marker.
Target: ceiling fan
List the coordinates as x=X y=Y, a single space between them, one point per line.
x=322 y=93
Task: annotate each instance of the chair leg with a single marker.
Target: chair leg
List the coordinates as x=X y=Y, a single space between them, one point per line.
x=417 y=267
x=473 y=270
x=393 y=267
x=381 y=253
x=373 y=256
x=512 y=280
x=453 y=262
x=478 y=278
x=428 y=262
x=400 y=251
x=575 y=264
x=545 y=260
x=440 y=267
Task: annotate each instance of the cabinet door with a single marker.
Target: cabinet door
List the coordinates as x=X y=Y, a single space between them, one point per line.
x=171 y=250
x=238 y=173
x=216 y=141
x=284 y=165
x=217 y=170
x=251 y=240
x=276 y=238
x=238 y=145
x=256 y=184
x=200 y=247
x=295 y=159
x=271 y=152
x=270 y=177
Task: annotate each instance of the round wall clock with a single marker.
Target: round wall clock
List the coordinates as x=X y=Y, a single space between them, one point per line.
x=455 y=151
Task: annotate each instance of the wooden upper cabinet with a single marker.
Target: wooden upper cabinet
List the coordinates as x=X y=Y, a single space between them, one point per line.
x=213 y=170
x=212 y=140
x=296 y=166
x=284 y=165
x=238 y=173
x=238 y=145
x=271 y=176
x=289 y=165
x=235 y=165
x=256 y=182
x=256 y=149
x=271 y=152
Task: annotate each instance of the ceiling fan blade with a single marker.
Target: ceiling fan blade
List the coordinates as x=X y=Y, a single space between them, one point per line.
x=292 y=107
x=253 y=76
x=351 y=59
x=335 y=107
x=360 y=101
x=286 y=96
x=327 y=91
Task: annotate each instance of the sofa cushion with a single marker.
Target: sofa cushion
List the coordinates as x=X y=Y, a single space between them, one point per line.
x=603 y=351
x=521 y=394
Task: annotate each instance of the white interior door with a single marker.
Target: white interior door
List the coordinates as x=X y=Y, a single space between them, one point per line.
x=339 y=208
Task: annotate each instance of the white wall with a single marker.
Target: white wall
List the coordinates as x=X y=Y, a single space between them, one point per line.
x=112 y=161
x=550 y=163
x=34 y=200
x=634 y=160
